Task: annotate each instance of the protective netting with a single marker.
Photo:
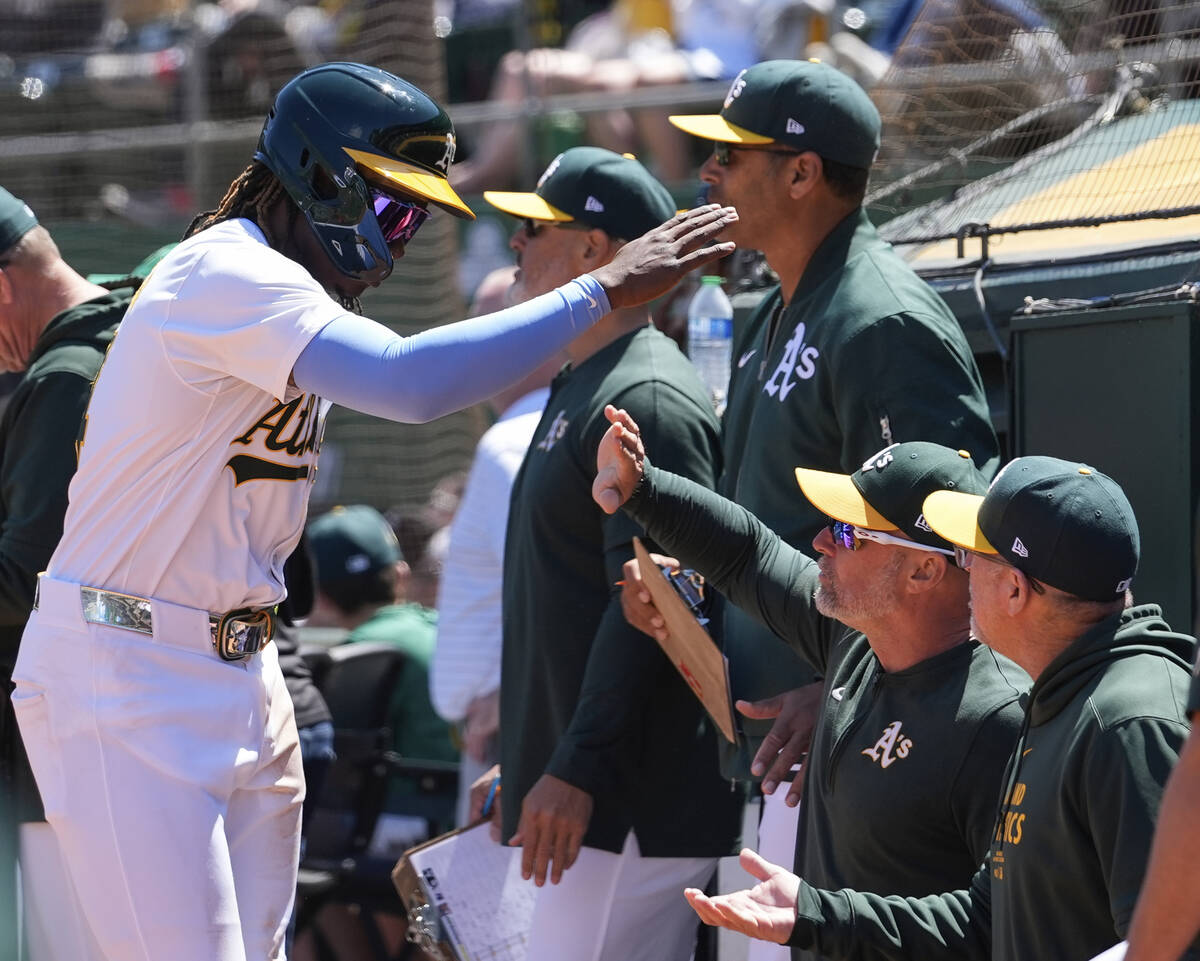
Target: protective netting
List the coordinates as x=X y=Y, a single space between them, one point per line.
x=1019 y=117
x=120 y=120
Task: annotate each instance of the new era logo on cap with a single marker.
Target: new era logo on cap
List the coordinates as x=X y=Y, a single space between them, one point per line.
x=1019 y=548
x=923 y=524
x=593 y=205
x=794 y=126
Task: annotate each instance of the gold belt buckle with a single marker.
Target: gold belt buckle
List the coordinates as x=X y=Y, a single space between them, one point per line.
x=239 y=634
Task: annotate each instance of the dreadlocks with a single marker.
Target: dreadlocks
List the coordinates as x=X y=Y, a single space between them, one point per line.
x=251 y=195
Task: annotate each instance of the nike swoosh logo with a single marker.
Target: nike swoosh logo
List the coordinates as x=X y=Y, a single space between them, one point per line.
x=746 y=357
x=592 y=303
x=837 y=693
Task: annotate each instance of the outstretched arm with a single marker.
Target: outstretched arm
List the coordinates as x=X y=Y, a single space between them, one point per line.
x=364 y=366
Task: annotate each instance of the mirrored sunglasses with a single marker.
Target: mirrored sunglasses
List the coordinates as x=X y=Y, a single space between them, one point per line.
x=850 y=536
x=398 y=219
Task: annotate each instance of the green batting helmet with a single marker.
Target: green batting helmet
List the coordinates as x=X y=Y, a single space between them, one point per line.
x=336 y=124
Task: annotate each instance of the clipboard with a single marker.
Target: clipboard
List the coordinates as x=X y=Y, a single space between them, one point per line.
x=465 y=898
x=689 y=646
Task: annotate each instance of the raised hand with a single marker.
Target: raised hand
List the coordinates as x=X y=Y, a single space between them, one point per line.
x=619 y=460
x=654 y=263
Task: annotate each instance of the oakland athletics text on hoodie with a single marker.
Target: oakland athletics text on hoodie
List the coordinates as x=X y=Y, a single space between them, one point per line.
x=1105 y=723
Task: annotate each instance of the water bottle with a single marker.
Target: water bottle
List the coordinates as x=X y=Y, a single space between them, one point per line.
x=710 y=338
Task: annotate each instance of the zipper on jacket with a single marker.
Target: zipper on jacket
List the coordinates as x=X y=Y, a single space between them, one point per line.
x=854 y=725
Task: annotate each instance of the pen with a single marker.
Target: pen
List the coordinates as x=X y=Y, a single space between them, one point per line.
x=491 y=797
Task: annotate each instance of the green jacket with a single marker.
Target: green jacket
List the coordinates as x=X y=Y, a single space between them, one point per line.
x=38 y=434
x=1104 y=725
x=585 y=697
x=904 y=767
x=417 y=730
x=866 y=354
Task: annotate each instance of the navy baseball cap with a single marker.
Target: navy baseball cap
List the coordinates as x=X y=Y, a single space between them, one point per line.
x=596 y=187
x=803 y=104
x=1060 y=522
x=888 y=492
x=16 y=220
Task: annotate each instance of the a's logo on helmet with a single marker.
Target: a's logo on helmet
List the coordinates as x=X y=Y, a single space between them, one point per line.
x=447 y=155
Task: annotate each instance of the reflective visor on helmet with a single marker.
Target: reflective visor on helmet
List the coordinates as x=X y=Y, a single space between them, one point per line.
x=399 y=220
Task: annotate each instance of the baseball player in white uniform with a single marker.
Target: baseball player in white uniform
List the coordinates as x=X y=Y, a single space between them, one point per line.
x=157 y=722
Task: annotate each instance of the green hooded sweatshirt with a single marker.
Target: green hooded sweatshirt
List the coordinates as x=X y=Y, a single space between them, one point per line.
x=1104 y=725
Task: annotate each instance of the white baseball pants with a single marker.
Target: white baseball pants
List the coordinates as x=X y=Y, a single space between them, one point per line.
x=619 y=907
x=171 y=779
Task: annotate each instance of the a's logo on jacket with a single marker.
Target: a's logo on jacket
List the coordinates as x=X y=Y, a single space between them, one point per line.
x=890 y=747
x=555 y=432
x=798 y=362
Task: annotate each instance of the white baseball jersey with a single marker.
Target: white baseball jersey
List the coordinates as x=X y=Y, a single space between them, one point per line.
x=197 y=456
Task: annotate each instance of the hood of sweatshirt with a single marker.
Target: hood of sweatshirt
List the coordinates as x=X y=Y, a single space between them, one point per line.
x=1136 y=630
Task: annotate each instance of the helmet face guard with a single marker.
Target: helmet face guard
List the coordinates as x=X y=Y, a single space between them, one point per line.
x=334 y=124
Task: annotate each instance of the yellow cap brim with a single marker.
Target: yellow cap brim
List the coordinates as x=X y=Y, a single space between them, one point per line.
x=525 y=205
x=712 y=126
x=955 y=516
x=836 y=496
x=432 y=187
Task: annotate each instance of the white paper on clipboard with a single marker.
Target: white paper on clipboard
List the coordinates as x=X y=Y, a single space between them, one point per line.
x=475 y=888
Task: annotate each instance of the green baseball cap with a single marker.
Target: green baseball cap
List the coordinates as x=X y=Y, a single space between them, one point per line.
x=1060 y=522
x=596 y=187
x=16 y=220
x=351 y=542
x=888 y=492
x=803 y=104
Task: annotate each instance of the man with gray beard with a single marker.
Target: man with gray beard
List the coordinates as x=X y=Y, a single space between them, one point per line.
x=915 y=718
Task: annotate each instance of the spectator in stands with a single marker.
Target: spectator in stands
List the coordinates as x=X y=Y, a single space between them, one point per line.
x=465 y=677
x=633 y=45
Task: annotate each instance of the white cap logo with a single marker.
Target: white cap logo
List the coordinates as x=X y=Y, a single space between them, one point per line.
x=448 y=155
x=735 y=89
x=594 y=205
x=923 y=524
x=880 y=460
x=1123 y=586
x=357 y=563
x=1019 y=548
x=794 y=126
x=549 y=172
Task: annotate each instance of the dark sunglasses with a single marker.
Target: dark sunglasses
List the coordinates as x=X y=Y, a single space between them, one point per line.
x=723 y=151
x=398 y=219
x=850 y=537
x=535 y=227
